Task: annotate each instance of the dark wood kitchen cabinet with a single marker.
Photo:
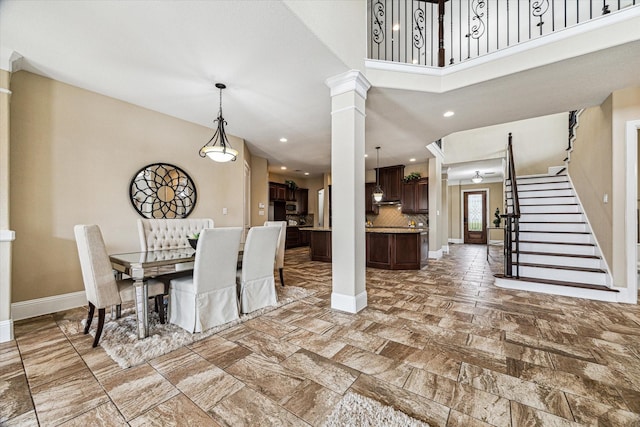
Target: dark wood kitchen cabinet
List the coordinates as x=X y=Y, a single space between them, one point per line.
x=415 y=196
x=277 y=192
x=391 y=182
x=302 y=197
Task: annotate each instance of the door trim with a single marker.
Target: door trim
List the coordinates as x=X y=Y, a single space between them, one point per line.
x=475 y=190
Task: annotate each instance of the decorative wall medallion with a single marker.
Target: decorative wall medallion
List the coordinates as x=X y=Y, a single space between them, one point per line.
x=162 y=190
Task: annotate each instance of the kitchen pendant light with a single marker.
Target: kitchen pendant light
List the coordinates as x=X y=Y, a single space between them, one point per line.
x=377 y=192
x=222 y=152
x=477 y=179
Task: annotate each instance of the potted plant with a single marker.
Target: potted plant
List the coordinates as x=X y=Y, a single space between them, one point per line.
x=291 y=184
x=413 y=176
x=497 y=219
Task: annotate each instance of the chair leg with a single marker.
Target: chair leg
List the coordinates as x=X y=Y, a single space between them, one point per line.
x=118 y=311
x=281 y=277
x=91 y=310
x=160 y=307
x=101 y=314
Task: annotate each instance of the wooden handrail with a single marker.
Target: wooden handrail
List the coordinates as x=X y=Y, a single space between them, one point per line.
x=512 y=219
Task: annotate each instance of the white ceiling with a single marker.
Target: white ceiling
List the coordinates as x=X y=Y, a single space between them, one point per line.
x=166 y=56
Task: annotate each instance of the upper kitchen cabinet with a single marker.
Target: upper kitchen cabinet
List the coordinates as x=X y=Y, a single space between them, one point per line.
x=277 y=192
x=369 y=207
x=302 y=197
x=415 y=196
x=391 y=182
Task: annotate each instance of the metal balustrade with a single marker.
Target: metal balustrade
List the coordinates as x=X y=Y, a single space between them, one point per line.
x=438 y=32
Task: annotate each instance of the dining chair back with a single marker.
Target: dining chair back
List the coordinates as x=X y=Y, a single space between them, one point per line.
x=282 y=237
x=209 y=297
x=101 y=287
x=255 y=279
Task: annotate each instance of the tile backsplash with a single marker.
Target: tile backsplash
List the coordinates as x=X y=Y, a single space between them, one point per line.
x=392 y=216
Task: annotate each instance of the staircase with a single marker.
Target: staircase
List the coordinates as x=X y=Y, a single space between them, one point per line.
x=557 y=253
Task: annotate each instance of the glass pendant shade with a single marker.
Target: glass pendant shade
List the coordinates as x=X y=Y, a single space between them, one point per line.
x=377 y=192
x=477 y=179
x=218 y=147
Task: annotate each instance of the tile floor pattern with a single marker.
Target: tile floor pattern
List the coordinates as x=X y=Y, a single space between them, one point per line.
x=443 y=345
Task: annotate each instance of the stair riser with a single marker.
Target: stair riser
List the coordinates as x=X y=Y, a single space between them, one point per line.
x=564 y=275
x=550 y=186
x=560 y=261
x=542 y=193
x=550 y=217
x=570 y=228
x=543 y=201
x=540 y=179
x=556 y=237
x=558 y=249
x=550 y=209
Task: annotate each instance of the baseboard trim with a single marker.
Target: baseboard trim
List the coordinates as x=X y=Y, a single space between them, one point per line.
x=6 y=330
x=349 y=303
x=38 y=307
x=445 y=249
x=456 y=241
x=435 y=254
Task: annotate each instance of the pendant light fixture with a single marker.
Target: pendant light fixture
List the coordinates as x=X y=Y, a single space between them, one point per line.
x=477 y=179
x=220 y=150
x=377 y=192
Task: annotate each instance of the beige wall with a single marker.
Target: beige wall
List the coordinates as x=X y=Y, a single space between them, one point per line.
x=496 y=199
x=259 y=190
x=538 y=143
x=73 y=154
x=590 y=170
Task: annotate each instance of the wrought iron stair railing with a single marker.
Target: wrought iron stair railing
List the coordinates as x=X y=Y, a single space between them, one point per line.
x=512 y=218
x=435 y=32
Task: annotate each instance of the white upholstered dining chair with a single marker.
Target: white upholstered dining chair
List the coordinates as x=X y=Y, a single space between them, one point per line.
x=282 y=238
x=100 y=285
x=256 y=284
x=208 y=298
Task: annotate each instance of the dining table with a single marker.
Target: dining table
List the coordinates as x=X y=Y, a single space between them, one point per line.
x=141 y=266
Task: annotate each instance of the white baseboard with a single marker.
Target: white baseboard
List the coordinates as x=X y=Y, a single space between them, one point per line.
x=6 y=330
x=445 y=249
x=349 y=303
x=456 y=241
x=435 y=254
x=40 y=306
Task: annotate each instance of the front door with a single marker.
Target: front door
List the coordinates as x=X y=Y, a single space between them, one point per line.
x=475 y=208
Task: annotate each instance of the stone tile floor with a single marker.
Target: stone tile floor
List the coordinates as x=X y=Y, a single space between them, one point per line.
x=443 y=345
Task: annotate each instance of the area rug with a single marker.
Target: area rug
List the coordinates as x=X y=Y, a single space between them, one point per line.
x=357 y=410
x=120 y=336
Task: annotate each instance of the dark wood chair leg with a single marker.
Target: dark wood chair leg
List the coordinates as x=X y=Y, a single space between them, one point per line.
x=160 y=305
x=281 y=276
x=101 y=314
x=91 y=310
x=118 y=311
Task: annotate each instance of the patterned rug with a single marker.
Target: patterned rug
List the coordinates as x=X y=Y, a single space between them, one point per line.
x=357 y=410
x=120 y=336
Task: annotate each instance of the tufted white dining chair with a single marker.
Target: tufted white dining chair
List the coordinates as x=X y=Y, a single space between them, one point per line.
x=256 y=284
x=100 y=285
x=208 y=298
x=158 y=234
x=282 y=238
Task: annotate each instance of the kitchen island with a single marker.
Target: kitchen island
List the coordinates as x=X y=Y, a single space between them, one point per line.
x=401 y=248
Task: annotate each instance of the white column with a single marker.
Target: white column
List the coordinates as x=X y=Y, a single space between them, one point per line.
x=7 y=59
x=348 y=98
x=435 y=206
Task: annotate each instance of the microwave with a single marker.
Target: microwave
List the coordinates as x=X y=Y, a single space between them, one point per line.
x=291 y=208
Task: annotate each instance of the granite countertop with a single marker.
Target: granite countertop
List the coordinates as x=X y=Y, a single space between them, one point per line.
x=397 y=230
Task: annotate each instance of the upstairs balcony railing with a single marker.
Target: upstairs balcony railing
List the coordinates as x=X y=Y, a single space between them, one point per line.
x=436 y=33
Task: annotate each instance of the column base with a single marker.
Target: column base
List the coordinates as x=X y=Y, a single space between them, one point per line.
x=6 y=330
x=349 y=303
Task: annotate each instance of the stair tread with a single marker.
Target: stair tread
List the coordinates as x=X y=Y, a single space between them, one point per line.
x=554 y=232
x=551 y=222
x=557 y=254
x=552 y=213
x=541 y=189
x=561 y=283
x=556 y=243
x=543 y=197
x=561 y=267
x=538 y=176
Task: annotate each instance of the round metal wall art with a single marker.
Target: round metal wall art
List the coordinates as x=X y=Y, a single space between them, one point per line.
x=162 y=190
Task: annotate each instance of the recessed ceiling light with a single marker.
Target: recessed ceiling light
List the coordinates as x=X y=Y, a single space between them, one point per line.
x=366 y=155
x=396 y=27
x=283 y=167
x=448 y=114
x=412 y=160
x=306 y=173
x=283 y=139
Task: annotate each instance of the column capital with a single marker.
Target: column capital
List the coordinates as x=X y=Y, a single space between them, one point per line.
x=10 y=60
x=345 y=82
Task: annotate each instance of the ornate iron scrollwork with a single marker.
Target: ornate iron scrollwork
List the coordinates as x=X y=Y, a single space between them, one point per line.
x=378 y=22
x=478 y=29
x=418 y=28
x=539 y=8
